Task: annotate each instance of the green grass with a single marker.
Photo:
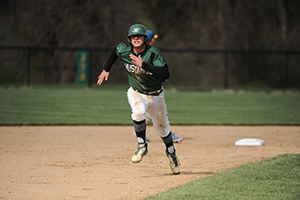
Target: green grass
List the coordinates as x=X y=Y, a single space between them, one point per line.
x=108 y=105
x=276 y=178
x=233 y=109
x=63 y=106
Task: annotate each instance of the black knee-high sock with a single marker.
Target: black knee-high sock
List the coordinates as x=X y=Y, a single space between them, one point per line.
x=168 y=141
x=140 y=129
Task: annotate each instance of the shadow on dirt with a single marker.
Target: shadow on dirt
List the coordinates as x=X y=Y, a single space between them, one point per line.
x=181 y=173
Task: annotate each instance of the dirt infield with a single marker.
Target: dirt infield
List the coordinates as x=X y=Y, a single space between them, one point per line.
x=94 y=162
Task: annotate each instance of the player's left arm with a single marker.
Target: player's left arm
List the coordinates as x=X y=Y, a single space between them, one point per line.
x=159 y=71
x=162 y=71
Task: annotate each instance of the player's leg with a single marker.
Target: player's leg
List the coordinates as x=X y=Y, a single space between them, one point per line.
x=171 y=153
x=158 y=114
x=138 y=107
x=174 y=137
x=148 y=120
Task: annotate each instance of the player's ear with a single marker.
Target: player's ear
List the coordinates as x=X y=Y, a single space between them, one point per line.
x=129 y=39
x=145 y=39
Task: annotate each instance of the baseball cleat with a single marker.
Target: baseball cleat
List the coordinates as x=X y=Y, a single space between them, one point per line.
x=174 y=162
x=176 y=139
x=140 y=152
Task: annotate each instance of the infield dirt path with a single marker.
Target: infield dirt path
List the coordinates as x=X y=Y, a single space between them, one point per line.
x=94 y=162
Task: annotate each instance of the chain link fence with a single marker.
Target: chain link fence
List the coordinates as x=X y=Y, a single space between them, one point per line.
x=20 y=65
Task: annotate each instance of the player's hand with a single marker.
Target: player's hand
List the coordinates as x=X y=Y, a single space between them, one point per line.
x=136 y=60
x=103 y=76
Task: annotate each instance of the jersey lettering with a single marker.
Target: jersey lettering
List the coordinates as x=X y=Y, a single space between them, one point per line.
x=135 y=69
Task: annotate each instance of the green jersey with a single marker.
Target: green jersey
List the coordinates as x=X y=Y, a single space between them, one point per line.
x=140 y=79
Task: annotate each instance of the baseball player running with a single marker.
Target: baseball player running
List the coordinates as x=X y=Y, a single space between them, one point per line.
x=147 y=70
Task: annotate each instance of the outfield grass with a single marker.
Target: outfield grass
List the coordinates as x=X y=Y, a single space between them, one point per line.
x=276 y=178
x=107 y=105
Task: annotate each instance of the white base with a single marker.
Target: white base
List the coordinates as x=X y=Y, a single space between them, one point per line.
x=249 y=142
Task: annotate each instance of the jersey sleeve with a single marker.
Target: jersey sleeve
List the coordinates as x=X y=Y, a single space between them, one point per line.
x=120 y=48
x=159 y=61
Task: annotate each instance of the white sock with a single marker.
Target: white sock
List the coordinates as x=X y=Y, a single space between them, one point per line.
x=171 y=149
x=140 y=140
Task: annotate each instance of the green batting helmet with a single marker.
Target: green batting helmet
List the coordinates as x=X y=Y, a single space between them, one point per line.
x=137 y=29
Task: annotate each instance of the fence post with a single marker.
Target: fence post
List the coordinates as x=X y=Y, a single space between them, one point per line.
x=28 y=68
x=90 y=69
x=226 y=71
x=287 y=70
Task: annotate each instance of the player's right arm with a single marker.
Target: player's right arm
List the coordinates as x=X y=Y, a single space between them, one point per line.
x=109 y=63
x=103 y=76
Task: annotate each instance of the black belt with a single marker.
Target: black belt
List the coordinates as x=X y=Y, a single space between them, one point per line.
x=154 y=93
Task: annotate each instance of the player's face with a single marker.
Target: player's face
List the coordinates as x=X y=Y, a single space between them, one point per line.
x=137 y=40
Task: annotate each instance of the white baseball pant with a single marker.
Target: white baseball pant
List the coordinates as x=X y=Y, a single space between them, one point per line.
x=156 y=107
